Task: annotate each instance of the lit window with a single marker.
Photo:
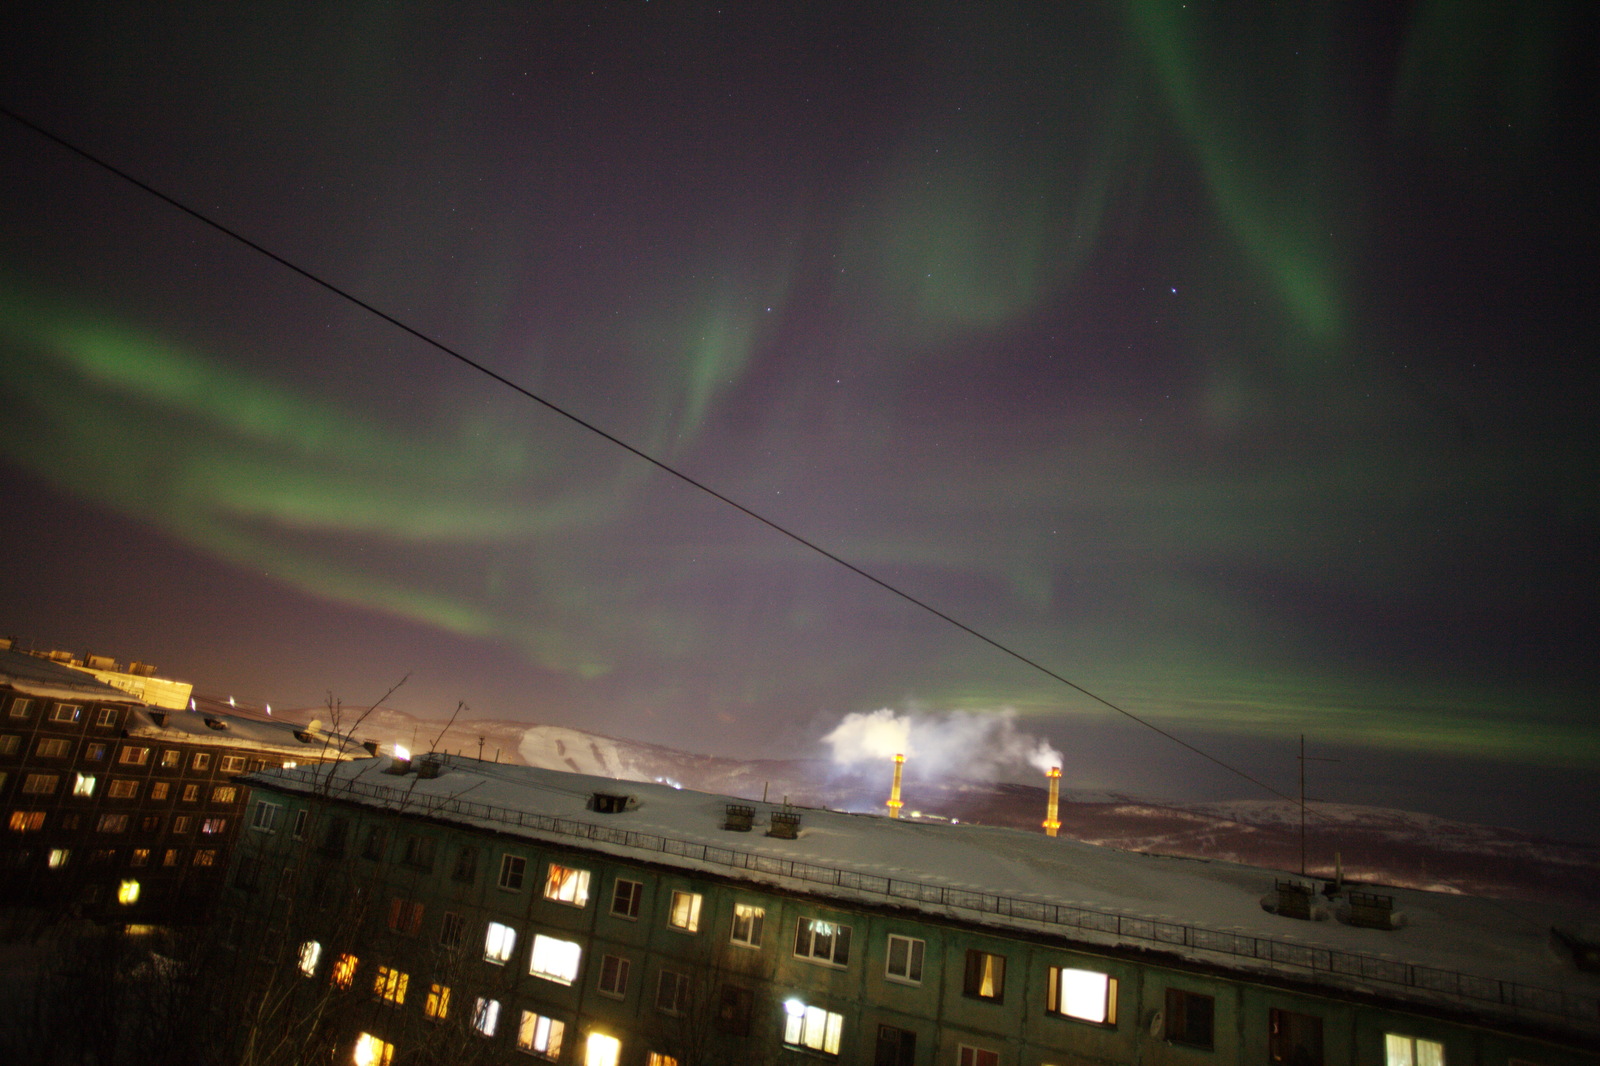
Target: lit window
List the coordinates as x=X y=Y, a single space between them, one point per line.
x=452 y=930
x=133 y=756
x=27 y=821
x=685 y=913
x=66 y=712
x=658 y=1059
x=985 y=976
x=310 y=955
x=747 y=923
x=171 y=856
x=112 y=823
x=224 y=794
x=9 y=743
x=405 y=916
x=390 y=985
x=625 y=896
x=84 y=785
x=123 y=788
x=977 y=1056
x=205 y=857
x=554 y=960
x=811 y=1027
x=266 y=817
x=94 y=752
x=1294 y=1038
x=1411 y=1051
x=201 y=761
x=1190 y=1018
x=567 y=885
x=128 y=893
x=499 y=943
x=371 y=1051
x=213 y=826
x=613 y=975
x=344 y=970
x=672 y=992
x=39 y=783
x=1082 y=994
x=106 y=717
x=158 y=791
x=486 y=1015
x=905 y=959
x=231 y=764
x=58 y=857
x=601 y=1050
x=171 y=758
x=512 y=870
x=191 y=793
x=181 y=823
x=53 y=748
x=437 y=1005
x=822 y=941
x=19 y=707
x=539 y=1035
x=140 y=857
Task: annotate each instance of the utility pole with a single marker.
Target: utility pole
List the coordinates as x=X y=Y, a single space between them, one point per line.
x=1303 y=760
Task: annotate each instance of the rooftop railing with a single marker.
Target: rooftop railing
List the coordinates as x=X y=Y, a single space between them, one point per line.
x=1329 y=965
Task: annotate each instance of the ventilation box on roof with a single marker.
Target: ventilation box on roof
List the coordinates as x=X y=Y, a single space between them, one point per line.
x=785 y=824
x=611 y=803
x=739 y=818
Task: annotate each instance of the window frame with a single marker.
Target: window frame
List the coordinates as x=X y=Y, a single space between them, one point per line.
x=567 y=885
x=70 y=713
x=911 y=969
x=267 y=816
x=486 y=1015
x=499 y=943
x=683 y=912
x=751 y=920
x=1072 y=993
x=133 y=755
x=1182 y=1024
x=809 y=932
x=513 y=872
x=1280 y=1048
x=391 y=985
x=625 y=903
x=613 y=977
x=547 y=950
x=1412 y=1045
x=976 y=974
x=804 y=1023
x=541 y=1035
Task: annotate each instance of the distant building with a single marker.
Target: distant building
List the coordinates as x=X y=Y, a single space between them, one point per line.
x=136 y=679
x=117 y=810
x=451 y=910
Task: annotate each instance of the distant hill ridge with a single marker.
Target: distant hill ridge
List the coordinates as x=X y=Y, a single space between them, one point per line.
x=1374 y=845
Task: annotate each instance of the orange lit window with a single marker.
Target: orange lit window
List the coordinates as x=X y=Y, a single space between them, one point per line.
x=370 y=1051
x=27 y=821
x=437 y=1006
x=391 y=985
x=344 y=970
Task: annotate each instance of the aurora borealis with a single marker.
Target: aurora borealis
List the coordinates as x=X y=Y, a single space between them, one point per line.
x=1232 y=360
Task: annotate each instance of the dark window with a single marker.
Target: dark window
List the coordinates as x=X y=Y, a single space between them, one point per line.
x=513 y=869
x=419 y=852
x=672 y=994
x=985 y=975
x=614 y=975
x=405 y=916
x=1189 y=1018
x=823 y=941
x=625 y=897
x=733 y=1009
x=896 y=1047
x=1295 y=1039
x=372 y=848
x=453 y=931
x=466 y=868
x=333 y=839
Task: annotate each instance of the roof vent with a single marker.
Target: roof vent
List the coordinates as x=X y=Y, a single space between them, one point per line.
x=371 y=746
x=1294 y=899
x=611 y=803
x=739 y=818
x=159 y=717
x=1368 y=910
x=398 y=765
x=99 y=662
x=429 y=768
x=785 y=824
x=304 y=736
x=216 y=723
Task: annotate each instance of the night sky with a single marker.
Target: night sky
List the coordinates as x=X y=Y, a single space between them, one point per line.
x=1234 y=361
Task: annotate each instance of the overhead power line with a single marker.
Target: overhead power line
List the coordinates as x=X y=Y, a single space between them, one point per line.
x=440 y=346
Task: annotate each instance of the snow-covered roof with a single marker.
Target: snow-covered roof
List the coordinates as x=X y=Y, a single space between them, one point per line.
x=1453 y=950
x=44 y=679
x=232 y=731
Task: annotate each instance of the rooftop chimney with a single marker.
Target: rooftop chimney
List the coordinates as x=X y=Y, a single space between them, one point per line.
x=1051 y=822
x=895 y=802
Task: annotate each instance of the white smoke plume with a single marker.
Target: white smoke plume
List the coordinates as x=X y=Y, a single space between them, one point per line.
x=964 y=744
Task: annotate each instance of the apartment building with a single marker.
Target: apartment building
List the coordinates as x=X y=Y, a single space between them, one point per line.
x=117 y=810
x=447 y=909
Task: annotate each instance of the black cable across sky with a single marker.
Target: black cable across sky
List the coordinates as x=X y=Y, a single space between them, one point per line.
x=592 y=428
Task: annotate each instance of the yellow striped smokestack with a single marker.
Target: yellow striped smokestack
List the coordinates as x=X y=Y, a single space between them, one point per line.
x=1051 y=822
x=894 y=794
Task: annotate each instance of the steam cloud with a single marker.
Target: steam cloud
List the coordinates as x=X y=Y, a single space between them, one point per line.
x=959 y=744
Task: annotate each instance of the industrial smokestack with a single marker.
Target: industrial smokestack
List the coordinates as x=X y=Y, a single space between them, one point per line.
x=1051 y=822
x=894 y=794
